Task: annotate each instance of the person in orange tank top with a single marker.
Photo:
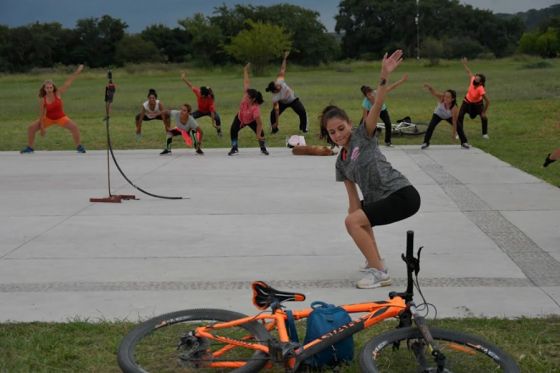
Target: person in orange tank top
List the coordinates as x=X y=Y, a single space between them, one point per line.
x=52 y=113
x=475 y=103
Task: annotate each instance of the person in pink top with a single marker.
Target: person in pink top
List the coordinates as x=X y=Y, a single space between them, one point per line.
x=475 y=103
x=249 y=115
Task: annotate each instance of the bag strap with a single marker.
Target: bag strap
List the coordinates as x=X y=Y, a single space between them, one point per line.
x=291 y=324
x=318 y=303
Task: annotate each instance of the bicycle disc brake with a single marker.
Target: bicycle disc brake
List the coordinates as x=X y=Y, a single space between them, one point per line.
x=195 y=352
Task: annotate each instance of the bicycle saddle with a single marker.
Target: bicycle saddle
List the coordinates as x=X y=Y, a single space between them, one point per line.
x=264 y=295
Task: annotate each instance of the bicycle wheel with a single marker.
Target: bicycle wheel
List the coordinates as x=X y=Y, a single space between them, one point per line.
x=164 y=344
x=411 y=129
x=404 y=350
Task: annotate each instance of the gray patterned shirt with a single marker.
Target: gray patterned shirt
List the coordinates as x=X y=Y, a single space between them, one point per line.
x=365 y=165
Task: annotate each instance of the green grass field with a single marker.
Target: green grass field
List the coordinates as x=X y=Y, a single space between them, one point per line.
x=524 y=122
x=524 y=115
x=82 y=346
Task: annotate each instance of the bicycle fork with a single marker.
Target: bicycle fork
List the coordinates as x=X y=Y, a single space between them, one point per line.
x=418 y=347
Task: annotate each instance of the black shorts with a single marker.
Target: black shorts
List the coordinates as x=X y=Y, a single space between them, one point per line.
x=146 y=118
x=399 y=205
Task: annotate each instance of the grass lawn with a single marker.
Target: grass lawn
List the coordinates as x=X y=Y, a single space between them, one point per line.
x=91 y=347
x=524 y=120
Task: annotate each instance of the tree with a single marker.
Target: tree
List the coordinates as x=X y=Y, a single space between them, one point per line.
x=311 y=42
x=135 y=49
x=548 y=43
x=173 y=44
x=375 y=26
x=207 y=39
x=433 y=49
x=95 y=40
x=260 y=44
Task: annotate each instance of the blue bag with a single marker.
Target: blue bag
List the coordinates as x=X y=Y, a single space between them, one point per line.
x=324 y=318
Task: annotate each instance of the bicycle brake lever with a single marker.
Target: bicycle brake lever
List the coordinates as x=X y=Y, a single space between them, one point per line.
x=417 y=261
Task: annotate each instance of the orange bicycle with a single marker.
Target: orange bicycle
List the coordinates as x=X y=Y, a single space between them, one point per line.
x=210 y=340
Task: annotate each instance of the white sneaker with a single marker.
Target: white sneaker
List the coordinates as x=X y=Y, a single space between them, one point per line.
x=486 y=137
x=365 y=267
x=456 y=137
x=374 y=279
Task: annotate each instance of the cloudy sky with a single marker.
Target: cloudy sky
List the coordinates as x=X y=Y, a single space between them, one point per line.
x=141 y=13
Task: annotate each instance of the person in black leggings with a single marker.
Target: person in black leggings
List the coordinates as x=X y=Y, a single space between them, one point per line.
x=283 y=97
x=475 y=103
x=446 y=109
x=388 y=196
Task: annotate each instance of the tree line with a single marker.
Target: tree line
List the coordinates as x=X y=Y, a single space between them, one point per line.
x=364 y=29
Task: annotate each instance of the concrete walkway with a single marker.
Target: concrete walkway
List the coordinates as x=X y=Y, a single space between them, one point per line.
x=491 y=233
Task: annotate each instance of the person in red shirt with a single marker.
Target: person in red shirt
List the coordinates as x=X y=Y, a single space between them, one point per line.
x=52 y=113
x=206 y=104
x=475 y=103
x=552 y=157
x=249 y=115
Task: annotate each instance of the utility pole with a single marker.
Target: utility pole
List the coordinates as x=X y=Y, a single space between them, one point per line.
x=417 y=21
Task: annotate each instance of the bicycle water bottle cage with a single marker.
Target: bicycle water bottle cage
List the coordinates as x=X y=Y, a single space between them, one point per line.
x=264 y=295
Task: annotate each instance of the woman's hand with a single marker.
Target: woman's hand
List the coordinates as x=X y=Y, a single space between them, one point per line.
x=390 y=63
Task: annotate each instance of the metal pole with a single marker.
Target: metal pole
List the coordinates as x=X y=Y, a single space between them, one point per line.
x=417 y=20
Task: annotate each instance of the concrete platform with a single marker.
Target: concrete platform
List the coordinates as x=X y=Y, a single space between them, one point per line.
x=490 y=233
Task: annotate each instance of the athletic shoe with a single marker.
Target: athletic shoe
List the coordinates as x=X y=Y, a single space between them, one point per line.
x=388 y=144
x=374 y=278
x=219 y=130
x=165 y=151
x=365 y=267
x=547 y=160
x=424 y=145
x=456 y=137
x=81 y=149
x=486 y=137
x=264 y=151
x=199 y=151
x=29 y=150
x=233 y=151
x=274 y=130
x=465 y=145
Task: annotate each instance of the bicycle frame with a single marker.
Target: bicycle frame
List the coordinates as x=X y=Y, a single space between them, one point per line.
x=292 y=355
x=376 y=312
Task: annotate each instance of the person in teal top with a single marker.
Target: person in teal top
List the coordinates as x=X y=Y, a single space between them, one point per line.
x=388 y=196
x=369 y=100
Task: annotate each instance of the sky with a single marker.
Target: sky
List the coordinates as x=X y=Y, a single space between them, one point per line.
x=138 y=14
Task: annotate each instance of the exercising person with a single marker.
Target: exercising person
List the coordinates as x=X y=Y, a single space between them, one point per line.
x=446 y=109
x=283 y=97
x=249 y=115
x=152 y=109
x=388 y=196
x=475 y=103
x=206 y=104
x=52 y=113
x=369 y=100
x=184 y=121
x=551 y=157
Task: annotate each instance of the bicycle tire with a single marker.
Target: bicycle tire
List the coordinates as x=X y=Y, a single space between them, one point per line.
x=463 y=352
x=136 y=354
x=414 y=129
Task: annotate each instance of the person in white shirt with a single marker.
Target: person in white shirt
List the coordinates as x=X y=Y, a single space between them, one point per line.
x=283 y=97
x=184 y=123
